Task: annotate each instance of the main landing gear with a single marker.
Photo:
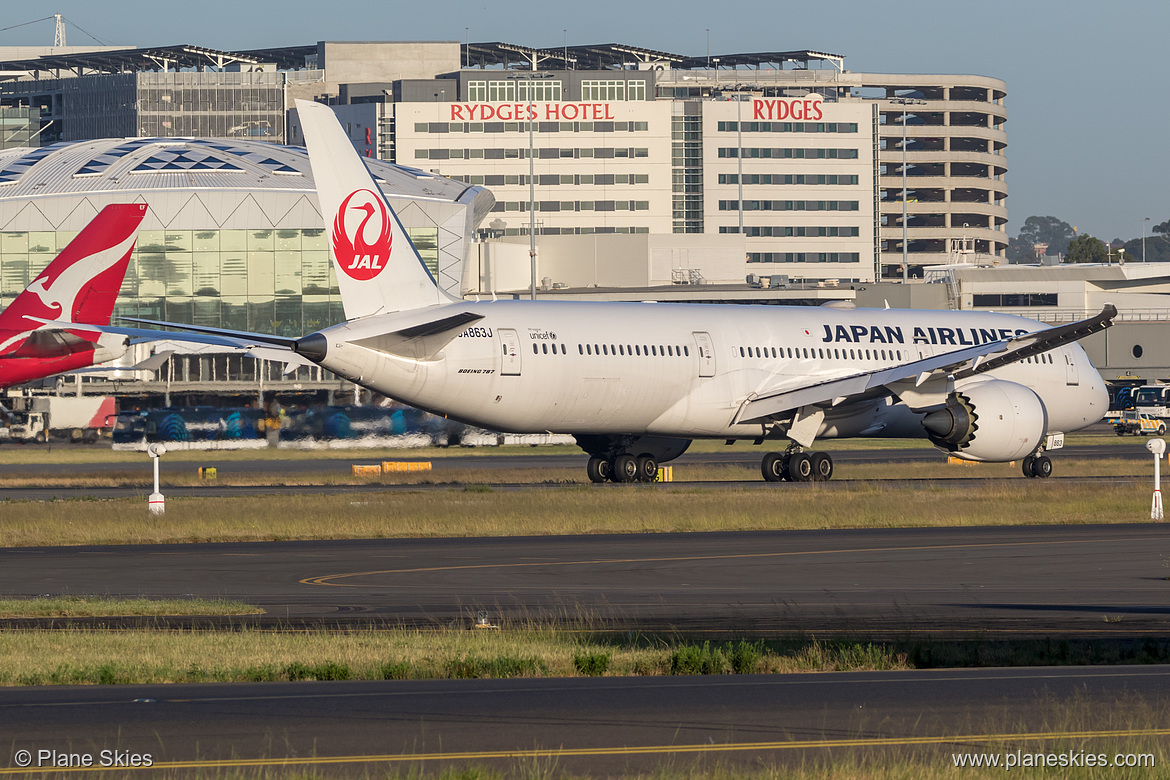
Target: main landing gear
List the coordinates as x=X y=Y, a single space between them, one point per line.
x=623 y=468
x=796 y=465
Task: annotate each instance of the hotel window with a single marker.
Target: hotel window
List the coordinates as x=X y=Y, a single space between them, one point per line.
x=636 y=90
x=476 y=91
x=604 y=90
x=501 y=91
x=539 y=90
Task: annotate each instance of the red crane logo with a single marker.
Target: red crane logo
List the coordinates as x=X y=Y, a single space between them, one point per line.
x=362 y=235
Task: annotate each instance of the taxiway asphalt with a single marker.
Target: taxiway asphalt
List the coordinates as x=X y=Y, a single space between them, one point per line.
x=604 y=726
x=1012 y=581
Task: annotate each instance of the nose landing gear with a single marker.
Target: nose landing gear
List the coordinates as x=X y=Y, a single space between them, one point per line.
x=1037 y=466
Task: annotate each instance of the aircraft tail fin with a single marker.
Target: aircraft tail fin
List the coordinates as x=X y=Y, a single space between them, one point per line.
x=378 y=268
x=82 y=282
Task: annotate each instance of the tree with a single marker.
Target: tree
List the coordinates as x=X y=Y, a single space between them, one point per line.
x=1020 y=251
x=1163 y=227
x=1086 y=249
x=1047 y=230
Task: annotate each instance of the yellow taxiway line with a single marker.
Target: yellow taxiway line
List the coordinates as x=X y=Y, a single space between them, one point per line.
x=705 y=748
x=327 y=579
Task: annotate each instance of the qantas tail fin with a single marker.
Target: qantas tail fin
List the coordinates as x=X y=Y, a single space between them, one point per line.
x=378 y=268
x=82 y=283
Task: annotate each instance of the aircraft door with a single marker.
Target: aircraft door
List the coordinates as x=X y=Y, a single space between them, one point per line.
x=1072 y=375
x=706 y=351
x=509 y=351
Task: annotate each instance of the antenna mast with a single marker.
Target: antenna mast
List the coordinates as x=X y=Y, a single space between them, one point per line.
x=59 y=34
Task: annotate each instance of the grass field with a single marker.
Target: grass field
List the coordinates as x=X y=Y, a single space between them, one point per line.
x=103 y=606
x=477 y=510
x=80 y=656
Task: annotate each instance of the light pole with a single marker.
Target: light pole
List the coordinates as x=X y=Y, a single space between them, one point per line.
x=155 y=502
x=905 y=247
x=1144 y=221
x=531 y=176
x=739 y=150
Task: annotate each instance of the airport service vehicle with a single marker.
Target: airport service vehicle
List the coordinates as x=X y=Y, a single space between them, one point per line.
x=79 y=286
x=1154 y=400
x=74 y=418
x=1138 y=422
x=634 y=383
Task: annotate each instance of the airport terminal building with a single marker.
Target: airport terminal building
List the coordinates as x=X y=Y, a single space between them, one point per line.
x=233 y=236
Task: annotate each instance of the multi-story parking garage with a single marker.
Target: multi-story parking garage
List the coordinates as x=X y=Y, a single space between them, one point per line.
x=948 y=132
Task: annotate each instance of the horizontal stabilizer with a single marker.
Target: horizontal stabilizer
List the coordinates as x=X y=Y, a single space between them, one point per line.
x=422 y=341
x=152 y=363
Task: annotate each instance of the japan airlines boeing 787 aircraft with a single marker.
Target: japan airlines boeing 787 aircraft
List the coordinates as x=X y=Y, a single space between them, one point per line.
x=636 y=382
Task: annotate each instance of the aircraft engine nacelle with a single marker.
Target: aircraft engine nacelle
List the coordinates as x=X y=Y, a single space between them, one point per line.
x=991 y=421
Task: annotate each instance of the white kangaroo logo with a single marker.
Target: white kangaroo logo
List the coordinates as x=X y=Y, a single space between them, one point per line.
x=60 y=294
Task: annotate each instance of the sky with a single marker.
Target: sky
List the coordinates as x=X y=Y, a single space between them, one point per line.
x=1086 y=81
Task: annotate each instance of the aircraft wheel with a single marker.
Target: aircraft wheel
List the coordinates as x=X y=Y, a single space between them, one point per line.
x=800 y=467
x=773 y=467
x=1042 y=467
x=647 y=468
x=625 y=468
x=598 y=469
x=1026 y=466
x=822 y=467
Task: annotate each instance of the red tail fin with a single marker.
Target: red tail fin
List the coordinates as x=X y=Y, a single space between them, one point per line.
x=82 y=283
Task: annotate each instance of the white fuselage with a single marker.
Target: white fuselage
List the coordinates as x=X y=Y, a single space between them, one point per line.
x=684 y=370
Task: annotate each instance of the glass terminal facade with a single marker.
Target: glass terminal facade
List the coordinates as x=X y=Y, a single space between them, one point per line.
x=278 y=281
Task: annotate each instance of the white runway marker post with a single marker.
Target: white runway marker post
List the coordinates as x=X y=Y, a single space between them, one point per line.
x=156 y=503
x=1158 y=447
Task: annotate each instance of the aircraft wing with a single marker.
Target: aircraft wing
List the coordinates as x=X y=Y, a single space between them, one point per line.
x=920 y=383
x=237 y=337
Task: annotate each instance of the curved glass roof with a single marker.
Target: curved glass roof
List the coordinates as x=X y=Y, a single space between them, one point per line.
x=140 y=164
